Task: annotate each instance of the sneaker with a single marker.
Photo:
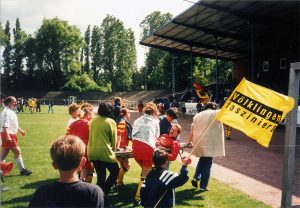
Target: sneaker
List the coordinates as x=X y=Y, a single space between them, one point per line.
x=194 y=183
x=25 y=172
x=6 y=168
x=136 y=203
x=203 y=189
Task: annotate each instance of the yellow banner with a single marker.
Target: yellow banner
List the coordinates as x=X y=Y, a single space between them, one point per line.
x=255 y=110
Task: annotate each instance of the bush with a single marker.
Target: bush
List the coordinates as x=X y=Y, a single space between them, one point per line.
x=82 y=83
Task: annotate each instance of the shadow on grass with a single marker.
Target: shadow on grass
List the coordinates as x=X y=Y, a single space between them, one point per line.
x=123 y=197
x=17 y=200
x=186 y=197
x=27 y=198
x=36 y=184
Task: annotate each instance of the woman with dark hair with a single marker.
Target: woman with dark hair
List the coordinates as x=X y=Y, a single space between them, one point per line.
x=102 y=146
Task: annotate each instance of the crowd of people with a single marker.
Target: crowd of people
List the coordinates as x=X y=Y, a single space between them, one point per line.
x=92 y=142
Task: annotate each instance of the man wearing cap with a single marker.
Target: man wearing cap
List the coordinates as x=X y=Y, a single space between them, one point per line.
x=166 y=121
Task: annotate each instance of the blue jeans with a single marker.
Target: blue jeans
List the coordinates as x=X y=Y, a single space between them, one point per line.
x=203 y=171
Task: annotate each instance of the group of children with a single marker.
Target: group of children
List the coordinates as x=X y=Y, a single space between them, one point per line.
x=164 y=149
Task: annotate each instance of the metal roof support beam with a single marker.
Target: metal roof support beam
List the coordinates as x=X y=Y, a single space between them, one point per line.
x=252 y=52
x=186 y=53
x=213 y=32
x=191 y=65
x=217 y=68
x=201 y=45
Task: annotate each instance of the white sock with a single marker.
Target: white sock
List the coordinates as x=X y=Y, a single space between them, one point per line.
x=20 y=163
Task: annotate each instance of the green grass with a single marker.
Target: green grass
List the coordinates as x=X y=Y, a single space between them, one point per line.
x=43 y=128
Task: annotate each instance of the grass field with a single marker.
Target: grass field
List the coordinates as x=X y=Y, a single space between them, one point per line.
x=43 y=128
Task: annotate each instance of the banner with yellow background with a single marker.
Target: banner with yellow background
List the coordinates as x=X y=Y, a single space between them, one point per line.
x=255 y=110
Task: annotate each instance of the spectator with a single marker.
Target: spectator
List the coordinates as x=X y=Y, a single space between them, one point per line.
x=102 y=147
x=67 y=154
x=165 y=122
x=159 y=186
x=209 y=145
x=50 y=106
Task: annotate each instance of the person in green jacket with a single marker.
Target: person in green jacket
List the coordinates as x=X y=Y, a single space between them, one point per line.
x=102 y=146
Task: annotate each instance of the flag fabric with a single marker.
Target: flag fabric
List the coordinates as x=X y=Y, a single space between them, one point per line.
x=255 y=110
x=200 y=91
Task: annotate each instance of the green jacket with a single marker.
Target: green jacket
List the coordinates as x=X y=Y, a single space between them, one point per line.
x=102 y=139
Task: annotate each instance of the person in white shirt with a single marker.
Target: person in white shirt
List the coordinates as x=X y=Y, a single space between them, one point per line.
x=9 y=129
x=144 y=134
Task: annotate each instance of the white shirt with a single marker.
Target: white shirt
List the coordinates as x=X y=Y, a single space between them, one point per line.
x=146 y=129
x=210 y=144
x=9 y=120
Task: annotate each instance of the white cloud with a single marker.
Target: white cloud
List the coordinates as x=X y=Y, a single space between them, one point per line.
x=87 y=12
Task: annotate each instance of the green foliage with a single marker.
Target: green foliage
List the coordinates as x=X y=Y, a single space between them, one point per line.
x=153 y=21
x=7 y=60
x=156 y=59
x=82 y=83
x=57 y=47
x=86 y=49
x=3 y=36
x=118 y=53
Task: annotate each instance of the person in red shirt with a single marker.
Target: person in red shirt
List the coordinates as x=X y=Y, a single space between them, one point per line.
x=169 y=143
x=80 y=128
x=124 y=136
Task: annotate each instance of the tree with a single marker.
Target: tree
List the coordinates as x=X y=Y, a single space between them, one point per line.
x=82 y=83
x=3 y=37
x=57 y=48
x=155 y=58
x=20 y=38
x=118 y=53
x=87 y=40
x=7 y=70
x=95 y=53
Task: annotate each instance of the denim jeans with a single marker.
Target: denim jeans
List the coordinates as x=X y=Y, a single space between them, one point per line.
x=203 y=171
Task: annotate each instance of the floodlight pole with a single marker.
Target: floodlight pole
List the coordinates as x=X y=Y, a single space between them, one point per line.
x=290 y=138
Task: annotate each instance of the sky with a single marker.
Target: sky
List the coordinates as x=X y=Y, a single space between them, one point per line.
x=88 y=12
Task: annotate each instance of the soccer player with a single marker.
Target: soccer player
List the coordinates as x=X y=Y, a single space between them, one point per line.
x=9 y=129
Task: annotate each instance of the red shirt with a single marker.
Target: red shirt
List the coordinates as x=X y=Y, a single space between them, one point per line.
x=80 y=128
x=122 y=132
x=170 y=143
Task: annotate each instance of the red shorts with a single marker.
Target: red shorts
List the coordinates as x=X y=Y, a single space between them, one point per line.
x=142 y=153
x=9 y=144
